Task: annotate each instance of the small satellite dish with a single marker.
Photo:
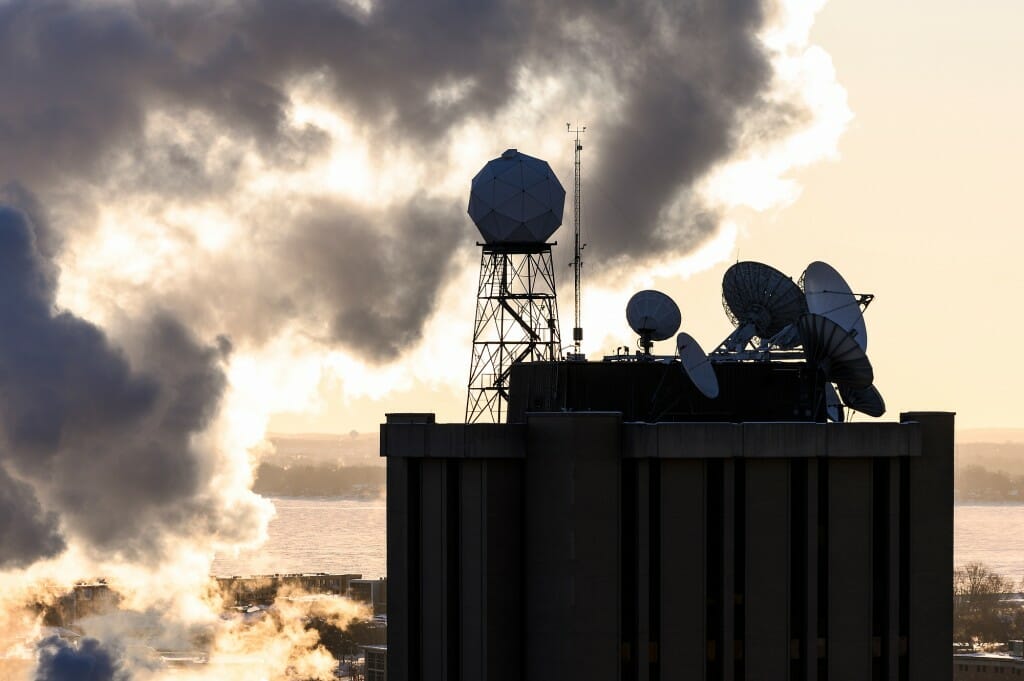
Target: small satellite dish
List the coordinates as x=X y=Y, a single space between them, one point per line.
x=865 y=400
x=755 y=293
x=833 y=405
x=697 y=365
x=653 y=316
x=835 y=351
x=829 y=295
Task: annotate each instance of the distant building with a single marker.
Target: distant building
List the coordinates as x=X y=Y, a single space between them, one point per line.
x=987 y=667
x=265 y=588
x=85 y=599
x=622 y=526
x=373 y=592
x=376 y=663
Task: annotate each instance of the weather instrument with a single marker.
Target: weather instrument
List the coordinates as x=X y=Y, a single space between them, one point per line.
x=516 y=202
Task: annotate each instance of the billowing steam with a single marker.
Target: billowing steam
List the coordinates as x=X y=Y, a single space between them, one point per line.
x=192 y=192
x=168 y=108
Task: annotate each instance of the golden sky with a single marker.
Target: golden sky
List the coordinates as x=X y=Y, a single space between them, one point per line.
x=918 y=207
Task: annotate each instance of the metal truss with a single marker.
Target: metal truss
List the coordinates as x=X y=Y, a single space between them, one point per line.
x=516 y=321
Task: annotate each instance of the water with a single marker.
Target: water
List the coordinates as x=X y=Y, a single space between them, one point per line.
x=317 y=535
x=348 y=535
x=992 y=534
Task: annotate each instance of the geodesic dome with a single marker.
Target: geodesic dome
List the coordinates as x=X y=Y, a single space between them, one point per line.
x=515 y=199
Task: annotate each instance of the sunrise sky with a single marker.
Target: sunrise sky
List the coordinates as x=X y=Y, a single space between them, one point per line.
x=918 y=207
x=219 y=220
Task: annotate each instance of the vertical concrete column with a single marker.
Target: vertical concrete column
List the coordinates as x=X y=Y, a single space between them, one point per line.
x=504 y=579
x=931 y=546
x=399 y=574
x=683 y=645
x=472 y=524
x=849 y=567
x=571 y=553
x=766 y=592
x=433 y=546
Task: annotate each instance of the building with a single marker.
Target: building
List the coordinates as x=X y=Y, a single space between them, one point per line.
x=373 y=592
x=376 y=663
x=265 y=588
x=621 y=525
x=987 y=667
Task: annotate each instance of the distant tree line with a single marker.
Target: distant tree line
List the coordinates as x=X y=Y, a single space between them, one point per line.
x=986 y=606
x=319 y=480
x=977 y=483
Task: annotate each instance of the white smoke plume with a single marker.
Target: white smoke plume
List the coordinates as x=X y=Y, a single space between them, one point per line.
x=208 y=206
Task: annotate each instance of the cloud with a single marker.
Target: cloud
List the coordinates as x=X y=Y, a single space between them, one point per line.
x=187 y=102
x=84 y=660
x=103 y=448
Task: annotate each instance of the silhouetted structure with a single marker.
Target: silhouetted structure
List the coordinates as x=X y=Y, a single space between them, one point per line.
x=623 y=526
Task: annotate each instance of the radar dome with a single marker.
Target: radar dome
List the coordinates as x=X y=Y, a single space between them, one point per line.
x=516 y=199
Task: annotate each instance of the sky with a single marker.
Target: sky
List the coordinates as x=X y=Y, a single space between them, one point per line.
x=219 y=220
x=916 y=206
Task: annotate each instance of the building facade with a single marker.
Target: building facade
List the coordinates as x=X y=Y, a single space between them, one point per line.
x=607 y=544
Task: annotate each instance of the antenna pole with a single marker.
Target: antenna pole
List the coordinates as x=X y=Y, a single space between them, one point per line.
x=577 y=262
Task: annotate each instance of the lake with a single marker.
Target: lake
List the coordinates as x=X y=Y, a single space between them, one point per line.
x=348 y=535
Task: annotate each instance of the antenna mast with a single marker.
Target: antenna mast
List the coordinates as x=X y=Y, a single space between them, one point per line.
x=577 y=262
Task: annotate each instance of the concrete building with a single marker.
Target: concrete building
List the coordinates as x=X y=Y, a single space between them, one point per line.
x=376 y=663
x=987 y=667
x=622 y=526
x=373 y=592
x=265 y=588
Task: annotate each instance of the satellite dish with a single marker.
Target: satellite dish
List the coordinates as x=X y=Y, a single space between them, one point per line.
x=653 y=316
x=829 y=295
x=835 y=351
x=865 y=400
x=755 y=293
x=697 y=365
x=833 y=405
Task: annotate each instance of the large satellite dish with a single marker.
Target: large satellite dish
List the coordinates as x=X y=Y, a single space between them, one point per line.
x=516 y=199
x=756 y=294
x=653 y=316
x=697 y=365
x=865 y=400
x=829 y=295
x=835 y=352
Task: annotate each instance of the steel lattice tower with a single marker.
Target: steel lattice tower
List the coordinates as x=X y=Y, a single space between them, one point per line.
x=516 y=321
x=516 y=202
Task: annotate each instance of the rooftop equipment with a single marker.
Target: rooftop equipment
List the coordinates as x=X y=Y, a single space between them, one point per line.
x=517 y=203
x=653 y=316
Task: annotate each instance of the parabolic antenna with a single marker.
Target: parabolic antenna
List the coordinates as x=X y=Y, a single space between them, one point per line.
x=835 y=351
x=833 y=405
x=755 y=293
x=516 y=199
x=653 y=315
x=697 y=365
x=865 y=400
x=829 y=295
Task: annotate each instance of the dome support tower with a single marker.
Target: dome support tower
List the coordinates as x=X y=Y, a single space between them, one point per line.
x=516 y=321
x=516 y=202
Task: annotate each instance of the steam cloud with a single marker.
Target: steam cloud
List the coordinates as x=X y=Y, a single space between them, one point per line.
x=97 y=448
x=183 y=105
x=60 y=660
x=84 y=83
